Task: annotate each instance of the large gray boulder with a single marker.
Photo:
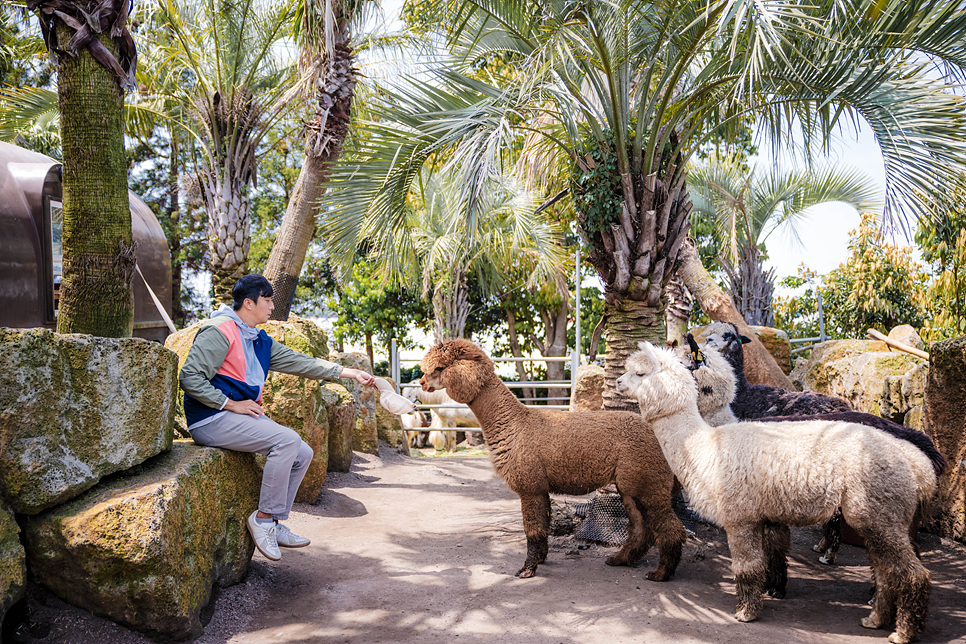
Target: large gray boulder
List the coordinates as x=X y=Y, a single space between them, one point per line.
x=76 y=408
x=145 y=549
x=856 y=370
x=13 y=563
x=365 y=434
x=945 y=422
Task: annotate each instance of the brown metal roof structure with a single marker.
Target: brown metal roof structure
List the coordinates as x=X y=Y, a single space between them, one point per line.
x=30 y=195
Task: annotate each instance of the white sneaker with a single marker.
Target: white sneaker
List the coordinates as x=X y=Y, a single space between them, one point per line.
x=288 y=539
x=265 y=536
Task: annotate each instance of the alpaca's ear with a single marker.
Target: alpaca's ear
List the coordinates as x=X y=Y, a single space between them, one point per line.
x=743 y=339
x=648 y=350
x=673 y=344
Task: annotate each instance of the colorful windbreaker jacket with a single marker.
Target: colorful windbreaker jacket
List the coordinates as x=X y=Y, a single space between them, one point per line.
x=215 y=368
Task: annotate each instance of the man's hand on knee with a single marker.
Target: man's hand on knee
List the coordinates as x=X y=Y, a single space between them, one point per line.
x=249 y=407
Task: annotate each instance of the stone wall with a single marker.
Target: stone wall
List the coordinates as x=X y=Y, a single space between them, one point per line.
x=76 y=408
x=146 y=548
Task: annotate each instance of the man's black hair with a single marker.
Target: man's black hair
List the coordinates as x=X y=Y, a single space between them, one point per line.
x=249 y=288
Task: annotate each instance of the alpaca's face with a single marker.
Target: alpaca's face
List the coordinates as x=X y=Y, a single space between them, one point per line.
x=725 y=338
x=458 y=366
x=659 y=381
x=714 y=378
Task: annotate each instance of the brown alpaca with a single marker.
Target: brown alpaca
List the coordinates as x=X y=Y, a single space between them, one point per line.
x=537 y=452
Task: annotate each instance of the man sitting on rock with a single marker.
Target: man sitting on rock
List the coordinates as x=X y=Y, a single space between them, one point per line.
x=223 y=377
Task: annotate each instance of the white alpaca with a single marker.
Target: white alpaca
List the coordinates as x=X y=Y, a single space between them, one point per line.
x=755 y=478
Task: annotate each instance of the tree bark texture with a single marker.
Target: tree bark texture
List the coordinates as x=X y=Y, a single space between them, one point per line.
x=629 y=322
x=760 y=366
x=752 y=287
x=555 y=345
x=96 y=295
x=635 y=257
x=326 y=134
x=522 y=374
x=451 y=308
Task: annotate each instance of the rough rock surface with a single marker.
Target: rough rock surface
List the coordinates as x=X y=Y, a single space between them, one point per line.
x=75 y=408
x=855 y=370
x=902 y=396
x=13 y=564
x=342 y=409
x=778 y=345
x=944 y=402
x=365 y=437
x=180 y=342
x=588 y=392
x=389 y=427
x=145 y=548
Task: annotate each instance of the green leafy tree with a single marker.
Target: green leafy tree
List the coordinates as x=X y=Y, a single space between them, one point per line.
x=942 y=239
x=223 y=66
x=797 y=314
x=370 y=312
x=879 y=286
x=634 y=91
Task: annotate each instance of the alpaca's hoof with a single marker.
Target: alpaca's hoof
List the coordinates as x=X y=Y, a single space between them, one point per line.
x=827 y=559
x=871 y=622
x=657 y=575
x=895 y=638
x=746 y=615
x=526 y=572
x=818 y=548
x=776 y=593
x=616 y=560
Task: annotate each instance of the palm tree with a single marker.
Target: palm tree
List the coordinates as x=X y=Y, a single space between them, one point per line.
x=226 y=60
x=746 y=207
x=96 y=57
x=449 y=248
x=325 y=33
x=625 y=94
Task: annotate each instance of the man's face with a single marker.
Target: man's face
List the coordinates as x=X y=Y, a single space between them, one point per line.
x=261 y=309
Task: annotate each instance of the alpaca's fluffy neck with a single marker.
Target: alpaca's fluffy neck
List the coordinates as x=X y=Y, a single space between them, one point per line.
x=736 y=357
x=673 y=431
x=492 y=406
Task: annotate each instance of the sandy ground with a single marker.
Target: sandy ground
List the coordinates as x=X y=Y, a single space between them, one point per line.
x=425 y=550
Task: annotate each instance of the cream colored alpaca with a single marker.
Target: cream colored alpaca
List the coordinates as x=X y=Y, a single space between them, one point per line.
x=748 y=477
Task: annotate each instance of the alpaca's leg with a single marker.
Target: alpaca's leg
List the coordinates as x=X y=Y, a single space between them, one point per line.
x=831 y=540
x=637 y=535
x=536 y=525
x=776 y=539
x=669 y=533
x=748 y=565
x=902 y=585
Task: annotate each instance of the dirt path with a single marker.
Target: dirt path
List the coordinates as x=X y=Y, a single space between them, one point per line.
x=425 y=550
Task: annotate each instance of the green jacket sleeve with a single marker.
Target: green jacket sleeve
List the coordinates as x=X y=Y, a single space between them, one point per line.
x=298 y=364
x=205 y=357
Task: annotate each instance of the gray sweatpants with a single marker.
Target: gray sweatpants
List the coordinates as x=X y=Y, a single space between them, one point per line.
x=288 y=455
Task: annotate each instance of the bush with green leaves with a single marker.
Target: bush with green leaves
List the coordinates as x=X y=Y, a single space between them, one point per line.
x=942 y=240
x=879 y=286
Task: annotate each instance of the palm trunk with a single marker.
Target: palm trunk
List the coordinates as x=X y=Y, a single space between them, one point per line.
x=96 y=296
x=326 y=136
x=451 y=308
x=628 y=322
x=760 y=367
x=229 y=230
x=752 y=287
x=635 y=258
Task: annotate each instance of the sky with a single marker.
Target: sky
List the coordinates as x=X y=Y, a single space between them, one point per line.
x=825 y=234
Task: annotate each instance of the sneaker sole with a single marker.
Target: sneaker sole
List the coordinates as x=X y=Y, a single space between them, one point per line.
x=257 y=547
x=301 y=545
